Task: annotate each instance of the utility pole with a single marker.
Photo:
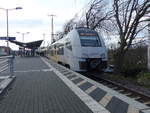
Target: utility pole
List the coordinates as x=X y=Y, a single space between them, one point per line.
x=52 y=28
x=75 y=5
x=44 y=39
x=24 y=45
x=7 y=29
x=148 y=48
x=7 y=26
x=23 y=35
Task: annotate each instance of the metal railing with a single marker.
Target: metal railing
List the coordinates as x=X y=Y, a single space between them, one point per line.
x=7 y=65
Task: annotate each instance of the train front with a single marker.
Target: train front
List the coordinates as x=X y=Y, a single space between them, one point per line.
x=93 y=53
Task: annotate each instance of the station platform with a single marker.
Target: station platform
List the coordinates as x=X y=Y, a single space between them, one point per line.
x=43 y=86
x=38 y=88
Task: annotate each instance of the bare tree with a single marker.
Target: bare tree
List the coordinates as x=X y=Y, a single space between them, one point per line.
x=69 y=25
x=130 y=18
x=66 y=28
x=98 y=15
x=95 y=17
x=59 y=35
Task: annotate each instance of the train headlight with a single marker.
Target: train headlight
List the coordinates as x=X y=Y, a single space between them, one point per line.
x=102 y=55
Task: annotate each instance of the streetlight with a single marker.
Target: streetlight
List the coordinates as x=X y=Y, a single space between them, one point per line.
x=43 y=39
x=17 y=8
x=24 y=45
x=23 y=35
x=52 y=28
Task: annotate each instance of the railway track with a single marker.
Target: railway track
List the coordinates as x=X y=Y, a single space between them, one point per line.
x=123 y=89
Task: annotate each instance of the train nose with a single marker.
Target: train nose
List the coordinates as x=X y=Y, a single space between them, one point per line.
x=94 y=63
x=90 y=63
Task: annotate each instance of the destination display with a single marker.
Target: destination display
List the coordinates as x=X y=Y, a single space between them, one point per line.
x=88 y=34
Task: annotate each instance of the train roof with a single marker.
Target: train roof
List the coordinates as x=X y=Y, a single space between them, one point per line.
x=85 y=30
x=80 y=30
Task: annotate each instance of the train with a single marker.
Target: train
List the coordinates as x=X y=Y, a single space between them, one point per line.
x=82 y=49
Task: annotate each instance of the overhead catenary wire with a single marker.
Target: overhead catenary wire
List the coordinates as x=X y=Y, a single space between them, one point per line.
x=81 y=10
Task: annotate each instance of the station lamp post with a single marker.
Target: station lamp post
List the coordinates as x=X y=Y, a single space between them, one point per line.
x=52 y=28
x=44 y=39
x=17 y=8
x=23 y=34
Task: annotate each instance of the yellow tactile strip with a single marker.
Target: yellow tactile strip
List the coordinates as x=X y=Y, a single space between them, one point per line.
x=107 y=100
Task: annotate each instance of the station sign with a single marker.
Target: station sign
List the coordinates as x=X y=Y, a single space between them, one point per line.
x=7 y=38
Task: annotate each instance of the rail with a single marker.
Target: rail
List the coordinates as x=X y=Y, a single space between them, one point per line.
x=130 y=92
x=7 y=65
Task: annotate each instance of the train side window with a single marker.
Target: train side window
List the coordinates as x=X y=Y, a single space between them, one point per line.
x=61 y=51
x=51 y=52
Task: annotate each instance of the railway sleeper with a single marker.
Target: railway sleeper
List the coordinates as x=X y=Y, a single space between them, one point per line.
x=114 y=88
x=110 y=85
x=147 y=103
x=144 y=100
x=105 y=83
x=120 y=90
x=61 y=69
x=127 y=94
x=137 y=98
x=133 y=95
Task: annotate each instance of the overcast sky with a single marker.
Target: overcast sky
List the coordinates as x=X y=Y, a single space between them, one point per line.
x=34 y=17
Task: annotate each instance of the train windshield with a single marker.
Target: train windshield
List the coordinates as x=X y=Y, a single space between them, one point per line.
x=90 y=41
x=89 y=38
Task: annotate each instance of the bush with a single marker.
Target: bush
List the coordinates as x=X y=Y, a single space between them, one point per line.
x=143 y=78
x=135 y=61
x=132 y=71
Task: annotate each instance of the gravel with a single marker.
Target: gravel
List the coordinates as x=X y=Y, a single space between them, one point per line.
x=128 y=83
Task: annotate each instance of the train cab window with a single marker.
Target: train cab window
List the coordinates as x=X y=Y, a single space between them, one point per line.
x=90 y=41
x=69 y=46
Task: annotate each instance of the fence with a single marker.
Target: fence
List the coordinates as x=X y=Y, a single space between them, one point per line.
x=6 y=65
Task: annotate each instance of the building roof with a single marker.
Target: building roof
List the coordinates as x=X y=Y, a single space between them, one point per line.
x=30 y=45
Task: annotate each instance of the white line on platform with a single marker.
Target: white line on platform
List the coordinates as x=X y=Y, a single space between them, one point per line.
x=38 y=70
x=4 y=77
x=89 y=101
x=25 y=71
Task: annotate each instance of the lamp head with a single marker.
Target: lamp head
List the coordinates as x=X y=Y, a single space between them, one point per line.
x=18 y=8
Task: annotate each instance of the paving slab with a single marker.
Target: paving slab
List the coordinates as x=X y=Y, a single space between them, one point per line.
x=112 y=100
x=5 y=81
x=37 y=89
x=1 y=80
